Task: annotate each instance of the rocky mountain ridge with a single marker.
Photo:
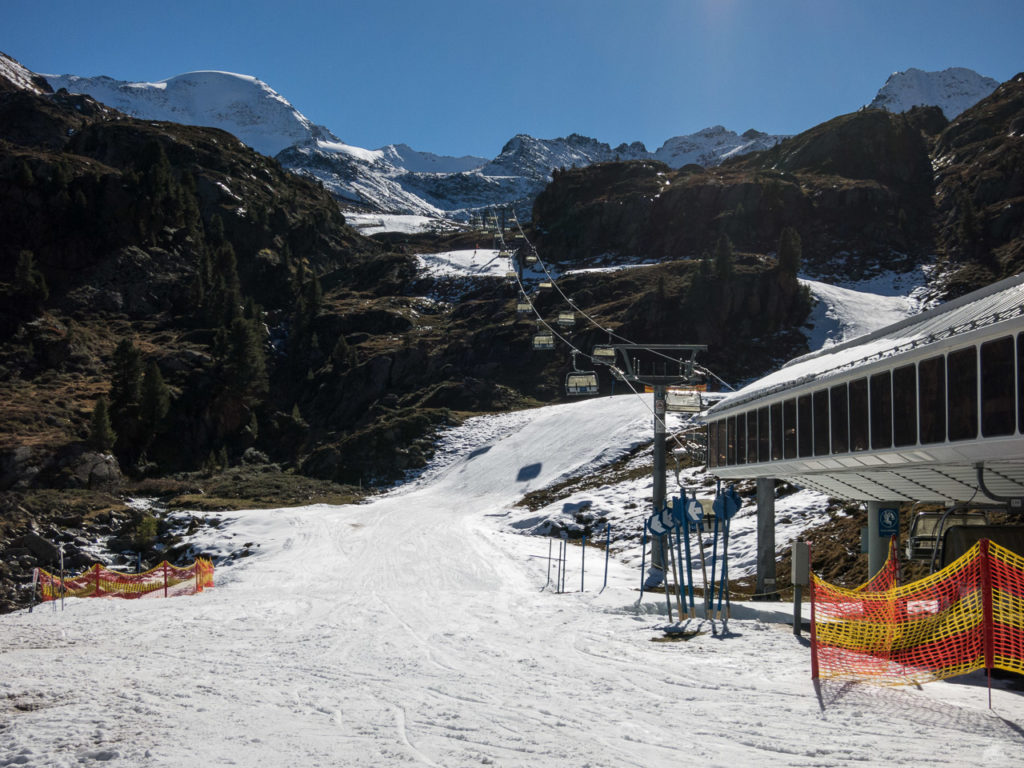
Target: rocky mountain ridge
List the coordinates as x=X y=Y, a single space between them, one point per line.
x=394 y=178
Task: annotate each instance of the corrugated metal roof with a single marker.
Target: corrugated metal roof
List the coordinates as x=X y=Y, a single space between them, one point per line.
x=998 y=302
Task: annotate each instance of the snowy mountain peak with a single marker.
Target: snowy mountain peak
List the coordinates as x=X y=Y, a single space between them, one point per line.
x=240 y=104
x=953 y=90
x=18 y=76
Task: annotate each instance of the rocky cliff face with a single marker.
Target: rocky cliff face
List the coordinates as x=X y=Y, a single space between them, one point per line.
x=979 y=192
x=867 y=191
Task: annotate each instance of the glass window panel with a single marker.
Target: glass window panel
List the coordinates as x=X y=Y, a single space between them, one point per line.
x=821 y=442
x=741 y=439
x=962 y=401
x=762 y=435
x=721 y=441
x=731 y=442
x=859 y=415
x=931 y=400
x=881 y=410
x=904 y=406
x=840 y=423
x=789 y=429
x=997 y=387
x=752 y=437
x=805 y=426
x=713 y=444
x=776 y=416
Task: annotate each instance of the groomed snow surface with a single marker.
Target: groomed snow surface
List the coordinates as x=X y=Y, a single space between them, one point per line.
x=416 y=629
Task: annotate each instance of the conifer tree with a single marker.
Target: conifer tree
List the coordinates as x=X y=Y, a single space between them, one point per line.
x=101 y=433
x=724 y=256
x=155 y=401
x=29 y=283
x=790 y=252
x=125 y=395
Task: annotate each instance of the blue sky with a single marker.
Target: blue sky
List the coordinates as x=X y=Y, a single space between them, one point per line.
x=463 y=76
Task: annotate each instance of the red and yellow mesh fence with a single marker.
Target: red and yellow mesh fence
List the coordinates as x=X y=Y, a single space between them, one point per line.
x=165 y=580
x=966 y=617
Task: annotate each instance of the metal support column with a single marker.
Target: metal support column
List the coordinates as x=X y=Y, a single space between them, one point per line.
x=766 y=588
x=658 y=548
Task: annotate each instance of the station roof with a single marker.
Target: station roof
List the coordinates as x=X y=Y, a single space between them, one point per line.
x=1000 y=301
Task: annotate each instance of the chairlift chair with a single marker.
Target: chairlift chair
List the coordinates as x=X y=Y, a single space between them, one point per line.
x=566 y=319
x=544 y=341
x=504 y=254
x=531 y=258
x=604 y=354
x=545 y=285
x=925 y=537
x=683 y=401
x=523 y=307
x=579 y=383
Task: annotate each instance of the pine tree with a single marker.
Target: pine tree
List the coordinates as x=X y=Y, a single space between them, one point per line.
x=101 y=434
x=724 y=256
x=125 y=396
x=29 y=283
x=790 y=253
x=245 y=359
x=154 y=403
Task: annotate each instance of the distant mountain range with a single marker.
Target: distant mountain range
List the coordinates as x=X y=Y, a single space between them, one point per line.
x=399 y=179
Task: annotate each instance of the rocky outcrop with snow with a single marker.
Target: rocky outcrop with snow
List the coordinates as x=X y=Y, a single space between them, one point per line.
x=953 y=90
x=395 y=178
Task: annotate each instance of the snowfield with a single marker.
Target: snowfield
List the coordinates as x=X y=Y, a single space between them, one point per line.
x=416 y=629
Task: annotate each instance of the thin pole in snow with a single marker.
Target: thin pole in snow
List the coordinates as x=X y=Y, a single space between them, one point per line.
x=583 y=562
x=550 y=542
x=607 y=551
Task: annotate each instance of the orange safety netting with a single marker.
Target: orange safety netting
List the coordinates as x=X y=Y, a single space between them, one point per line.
x=165 y=580
x=966 y=617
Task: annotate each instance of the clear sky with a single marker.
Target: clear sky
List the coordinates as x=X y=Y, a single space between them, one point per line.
x=463 y=76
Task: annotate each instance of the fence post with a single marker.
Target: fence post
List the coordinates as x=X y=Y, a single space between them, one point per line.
x=96 y=569
x=814 y=630
x=165 y=578
x=986 y=613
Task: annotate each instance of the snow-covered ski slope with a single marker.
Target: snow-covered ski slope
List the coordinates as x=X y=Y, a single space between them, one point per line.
x=414 y=630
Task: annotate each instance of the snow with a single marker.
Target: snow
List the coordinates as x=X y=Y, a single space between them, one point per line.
x=953 y=90
x=239 y=104
x=416 y=628
x=17 y=74
x=844 y=312
x=482 y=262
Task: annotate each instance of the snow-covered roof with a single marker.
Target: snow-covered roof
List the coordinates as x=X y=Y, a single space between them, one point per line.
x=1000 y=301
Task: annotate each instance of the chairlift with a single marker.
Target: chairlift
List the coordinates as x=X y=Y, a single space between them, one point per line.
x=545 y=285
x=524 y=307
x=580 y=383
x=925 y=536
x=504 y=254
x=510 y=275
x=604 y=354
x=566 y=319
x=544 y=341
x=531 y=258
x=683 y=400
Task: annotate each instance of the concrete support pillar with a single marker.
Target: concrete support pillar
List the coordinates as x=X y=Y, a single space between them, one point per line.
x=766 y=588
x=883 y=523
